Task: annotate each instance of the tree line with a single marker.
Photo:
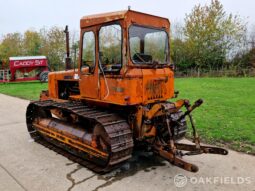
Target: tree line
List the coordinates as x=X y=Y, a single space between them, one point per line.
x=209 y=39
x=49 y=42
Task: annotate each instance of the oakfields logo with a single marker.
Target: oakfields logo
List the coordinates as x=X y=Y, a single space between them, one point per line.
x=181 y=180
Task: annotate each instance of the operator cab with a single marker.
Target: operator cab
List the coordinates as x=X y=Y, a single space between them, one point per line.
x=125 y=58
x=147 y=44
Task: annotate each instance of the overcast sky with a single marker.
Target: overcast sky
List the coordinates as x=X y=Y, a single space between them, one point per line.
x=20 y=15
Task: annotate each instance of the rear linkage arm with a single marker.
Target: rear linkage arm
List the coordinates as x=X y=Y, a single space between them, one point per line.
x=172 y=151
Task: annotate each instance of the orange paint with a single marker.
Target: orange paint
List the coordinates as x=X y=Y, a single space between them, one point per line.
x=132 y=85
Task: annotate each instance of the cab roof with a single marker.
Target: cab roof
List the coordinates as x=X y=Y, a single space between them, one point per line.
x=128 y=15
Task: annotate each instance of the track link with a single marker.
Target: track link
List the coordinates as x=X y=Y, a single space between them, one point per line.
x=116 y=127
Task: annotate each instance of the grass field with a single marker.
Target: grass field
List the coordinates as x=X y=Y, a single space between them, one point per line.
x=25 y=90
x=228 y=113
x=226 y=117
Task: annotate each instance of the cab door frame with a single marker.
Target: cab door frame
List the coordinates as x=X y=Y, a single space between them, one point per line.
x=89 y=80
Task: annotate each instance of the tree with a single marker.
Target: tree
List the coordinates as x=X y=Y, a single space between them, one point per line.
x=179 y=50
x=74 y=42
x=53 y=46
x=245 y=58
x=211 y=35
x=48 y=42
x=75 y=53
x=11 y=45
x=32 y=43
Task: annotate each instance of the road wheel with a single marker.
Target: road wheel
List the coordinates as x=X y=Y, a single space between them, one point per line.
x=44 y=76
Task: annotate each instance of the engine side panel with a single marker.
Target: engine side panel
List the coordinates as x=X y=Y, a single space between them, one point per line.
x=138 y=86
x=59 y=82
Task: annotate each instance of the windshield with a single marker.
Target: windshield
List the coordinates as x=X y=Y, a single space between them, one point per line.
x=148 y=46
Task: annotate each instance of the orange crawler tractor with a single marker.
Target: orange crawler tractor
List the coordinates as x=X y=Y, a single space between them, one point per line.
x=118 y=98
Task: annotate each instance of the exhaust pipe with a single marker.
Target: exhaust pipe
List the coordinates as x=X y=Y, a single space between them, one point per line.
x=68 y=59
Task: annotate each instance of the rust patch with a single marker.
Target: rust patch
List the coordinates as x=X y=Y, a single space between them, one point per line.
x=154 y=89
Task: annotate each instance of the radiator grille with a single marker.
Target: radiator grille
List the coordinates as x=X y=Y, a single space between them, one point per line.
x=154 y=89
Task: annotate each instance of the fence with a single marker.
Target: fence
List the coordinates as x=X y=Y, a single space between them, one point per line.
x=217 y=73
x=4 y=76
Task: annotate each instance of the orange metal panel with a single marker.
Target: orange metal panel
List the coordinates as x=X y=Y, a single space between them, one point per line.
x=132 y=86
x=96 y=19
x=129 y=15
x=157 y=84
x=53 y=79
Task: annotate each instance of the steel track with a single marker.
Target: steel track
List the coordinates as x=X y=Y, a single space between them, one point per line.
x=118 y=130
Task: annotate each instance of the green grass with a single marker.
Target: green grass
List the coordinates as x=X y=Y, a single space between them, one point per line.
x=25 y=90
x=228 y=113
x=226 y=117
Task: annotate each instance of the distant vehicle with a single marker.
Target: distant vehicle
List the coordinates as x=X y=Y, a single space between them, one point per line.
x=26 y=68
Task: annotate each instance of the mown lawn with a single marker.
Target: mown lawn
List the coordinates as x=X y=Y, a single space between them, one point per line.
x=226 y=117
x=25 y=90
x=228 y=113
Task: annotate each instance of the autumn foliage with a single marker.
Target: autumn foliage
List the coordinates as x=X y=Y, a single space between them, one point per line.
x=209 y=39
x=48 y=42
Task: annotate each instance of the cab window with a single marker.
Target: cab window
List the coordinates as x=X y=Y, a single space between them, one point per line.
x=110 y=41
x=148 y=46
x=88 y=52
